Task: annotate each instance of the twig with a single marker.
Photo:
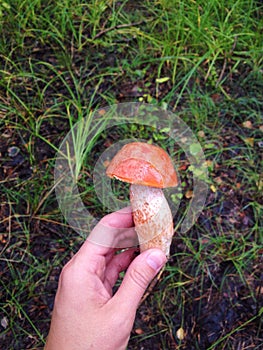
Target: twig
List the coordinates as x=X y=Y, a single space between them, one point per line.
x=151 y=286
x=222 y=72
x=225 y=62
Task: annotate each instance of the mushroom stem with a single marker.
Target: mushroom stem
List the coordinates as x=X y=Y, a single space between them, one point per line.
x=152 y=218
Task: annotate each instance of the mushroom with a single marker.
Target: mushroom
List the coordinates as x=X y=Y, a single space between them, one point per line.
x=149 y=169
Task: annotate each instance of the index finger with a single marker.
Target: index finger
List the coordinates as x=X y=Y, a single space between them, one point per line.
x=114 y=231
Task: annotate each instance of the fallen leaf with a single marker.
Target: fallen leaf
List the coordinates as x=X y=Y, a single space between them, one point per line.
x=3 y=238
x=213 y=188
x=201 y=133
x=4 y=322
x=247 y=124
x=183 y=167
x=102 y=112
x=249 y=141
x=180 y=333
x=189 y=194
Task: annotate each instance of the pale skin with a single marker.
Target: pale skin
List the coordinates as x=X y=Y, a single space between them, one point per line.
x=86 y=314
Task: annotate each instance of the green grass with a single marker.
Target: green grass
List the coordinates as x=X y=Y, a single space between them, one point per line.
x=62 y=61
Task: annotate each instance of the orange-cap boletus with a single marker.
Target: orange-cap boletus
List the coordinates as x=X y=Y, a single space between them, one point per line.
x=149 y=169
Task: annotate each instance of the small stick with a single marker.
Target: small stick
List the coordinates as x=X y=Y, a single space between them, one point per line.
x=225 y=62
x=151 y=286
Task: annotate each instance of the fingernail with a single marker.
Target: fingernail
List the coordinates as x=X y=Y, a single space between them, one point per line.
x=156 y=260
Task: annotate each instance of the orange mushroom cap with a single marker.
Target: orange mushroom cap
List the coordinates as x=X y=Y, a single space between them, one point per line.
x=143 y=164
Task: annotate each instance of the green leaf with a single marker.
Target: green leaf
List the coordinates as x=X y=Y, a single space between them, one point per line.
x=162 y=80
x=165 y=130
x=6 y=6
x=176 y=197
x=195 y=148
x=209 y=145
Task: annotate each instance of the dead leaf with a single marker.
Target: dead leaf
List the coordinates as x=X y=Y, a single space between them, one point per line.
x=4 y=322
x=247 y=124
x=249 y=141
x=201 y=133
x=183 y=167
x=102 y=112
x=213 y=188
x=180 y=333
x=189 y=194
x=3 y=238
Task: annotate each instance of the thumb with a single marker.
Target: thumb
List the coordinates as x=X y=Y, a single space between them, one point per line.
x=139 y=274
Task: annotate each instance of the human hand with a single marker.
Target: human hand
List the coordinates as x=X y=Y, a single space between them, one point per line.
x=86 y=314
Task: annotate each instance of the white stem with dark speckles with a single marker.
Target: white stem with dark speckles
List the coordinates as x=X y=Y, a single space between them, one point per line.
x=152 y=218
